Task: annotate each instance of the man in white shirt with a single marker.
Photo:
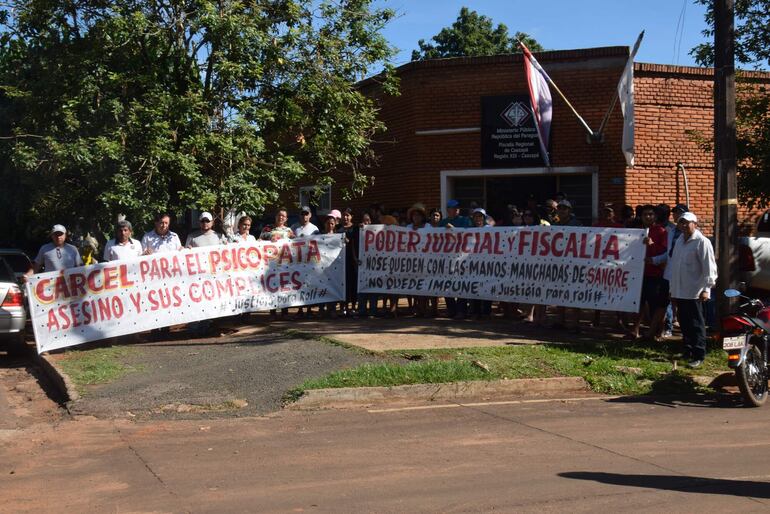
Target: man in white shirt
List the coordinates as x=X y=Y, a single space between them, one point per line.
x=161 y=239
x=56 y=255
x=692 y=272
x=304 y=228
x=123 y=246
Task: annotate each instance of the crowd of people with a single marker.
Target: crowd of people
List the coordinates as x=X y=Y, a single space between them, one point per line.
x=679 y=261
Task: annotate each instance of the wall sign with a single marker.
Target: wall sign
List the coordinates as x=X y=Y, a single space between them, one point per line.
x=508 y=133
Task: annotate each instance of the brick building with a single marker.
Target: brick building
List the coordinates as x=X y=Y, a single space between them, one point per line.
x=437 y=143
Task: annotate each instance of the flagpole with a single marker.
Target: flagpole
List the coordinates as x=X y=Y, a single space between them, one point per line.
x=607 y=115
x=606 y=118
x=551 y=82
x=579 y=117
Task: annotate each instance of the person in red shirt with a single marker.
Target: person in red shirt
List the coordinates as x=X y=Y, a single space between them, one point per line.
x=654 y=287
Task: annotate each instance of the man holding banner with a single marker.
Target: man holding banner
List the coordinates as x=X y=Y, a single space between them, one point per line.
x=56 y=255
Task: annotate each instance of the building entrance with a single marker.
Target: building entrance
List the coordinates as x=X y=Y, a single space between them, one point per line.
x=495 y=193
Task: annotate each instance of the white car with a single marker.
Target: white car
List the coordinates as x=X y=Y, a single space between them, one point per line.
x=13 y=314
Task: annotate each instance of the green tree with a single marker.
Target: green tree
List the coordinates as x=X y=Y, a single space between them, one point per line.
x=134 y=106
x=752 y=48
x=473 y=35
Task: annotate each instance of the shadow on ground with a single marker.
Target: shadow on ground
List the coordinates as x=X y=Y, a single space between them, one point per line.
x=678 y=483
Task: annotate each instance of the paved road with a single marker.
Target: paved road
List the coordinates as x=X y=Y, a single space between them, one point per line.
x=208 y=375
x=552 y=456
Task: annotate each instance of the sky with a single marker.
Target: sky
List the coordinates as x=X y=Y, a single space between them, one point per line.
x=563 y=24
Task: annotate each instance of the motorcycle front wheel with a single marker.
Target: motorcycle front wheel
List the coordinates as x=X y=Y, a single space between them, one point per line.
x=752 y=378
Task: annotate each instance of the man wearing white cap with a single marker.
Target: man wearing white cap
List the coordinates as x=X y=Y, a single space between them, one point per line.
x=304 y=227
x=206 y=236
x=123 y=246
x=57 y=255
x=692 y=272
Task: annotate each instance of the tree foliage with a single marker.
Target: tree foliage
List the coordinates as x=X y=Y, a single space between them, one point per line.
x=135 y=106
x=752 y=48
x=473 y=35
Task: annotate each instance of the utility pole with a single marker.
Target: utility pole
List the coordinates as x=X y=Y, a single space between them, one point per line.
x=725 y=188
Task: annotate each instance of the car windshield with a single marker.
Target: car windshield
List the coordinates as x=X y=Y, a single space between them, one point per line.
x=18 y=262
x=6 y=274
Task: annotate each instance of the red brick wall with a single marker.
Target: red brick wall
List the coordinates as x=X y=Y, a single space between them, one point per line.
x=446 y=94
x=672 y=104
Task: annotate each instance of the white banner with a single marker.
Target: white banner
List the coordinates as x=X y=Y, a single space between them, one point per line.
x=125 y=297
x=592 y=268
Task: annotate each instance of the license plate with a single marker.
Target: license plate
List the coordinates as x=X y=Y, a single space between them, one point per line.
x=733 y=342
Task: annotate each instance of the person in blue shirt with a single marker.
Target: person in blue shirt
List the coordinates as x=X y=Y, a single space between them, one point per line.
x=453 y=218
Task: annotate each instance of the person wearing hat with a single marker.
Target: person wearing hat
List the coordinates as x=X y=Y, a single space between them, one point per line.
x=161 y=239
x=122 y=246
x=417 y=216
x=692 y=272
x=565 y=216
x=453 y=218
x=304 y=227
x=205 y=235
x=56 y=255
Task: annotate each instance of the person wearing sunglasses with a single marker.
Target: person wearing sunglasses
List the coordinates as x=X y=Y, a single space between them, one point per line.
x=205 y=235
x=56 y=255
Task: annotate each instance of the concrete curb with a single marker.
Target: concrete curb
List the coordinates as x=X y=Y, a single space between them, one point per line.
x=58 y=377
x=314 y=399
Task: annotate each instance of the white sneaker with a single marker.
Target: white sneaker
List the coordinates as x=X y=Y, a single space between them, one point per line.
x=667 y=334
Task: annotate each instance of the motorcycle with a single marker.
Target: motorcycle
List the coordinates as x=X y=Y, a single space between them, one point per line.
x=745 y=337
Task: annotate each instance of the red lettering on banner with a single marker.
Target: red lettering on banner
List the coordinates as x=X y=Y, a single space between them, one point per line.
x=523 y=235
x=295 y=280
x=281 y=282
x=571 y=249
x=559 y=236
x=414 y=238
x=124 y=281
x=189 y=260
x=60 y=287
x=608 y=277
x=92 y=285
x=159 y=268
x=75 y=312
x=41 y=291
x=77 y=284
x=369 y=239
x=136 y=299
x=53 y=322
x=313 y=253
x=612 y=249
x=63 y=316
x=110 y=279
x=285 y=255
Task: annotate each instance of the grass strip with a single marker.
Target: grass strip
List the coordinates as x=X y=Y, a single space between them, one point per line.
x=608 y=367
x=98 y=365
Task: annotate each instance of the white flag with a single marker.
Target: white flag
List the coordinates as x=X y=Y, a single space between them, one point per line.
x=626 y=95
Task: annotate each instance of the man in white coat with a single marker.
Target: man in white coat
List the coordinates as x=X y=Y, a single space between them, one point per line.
x=692 y=272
